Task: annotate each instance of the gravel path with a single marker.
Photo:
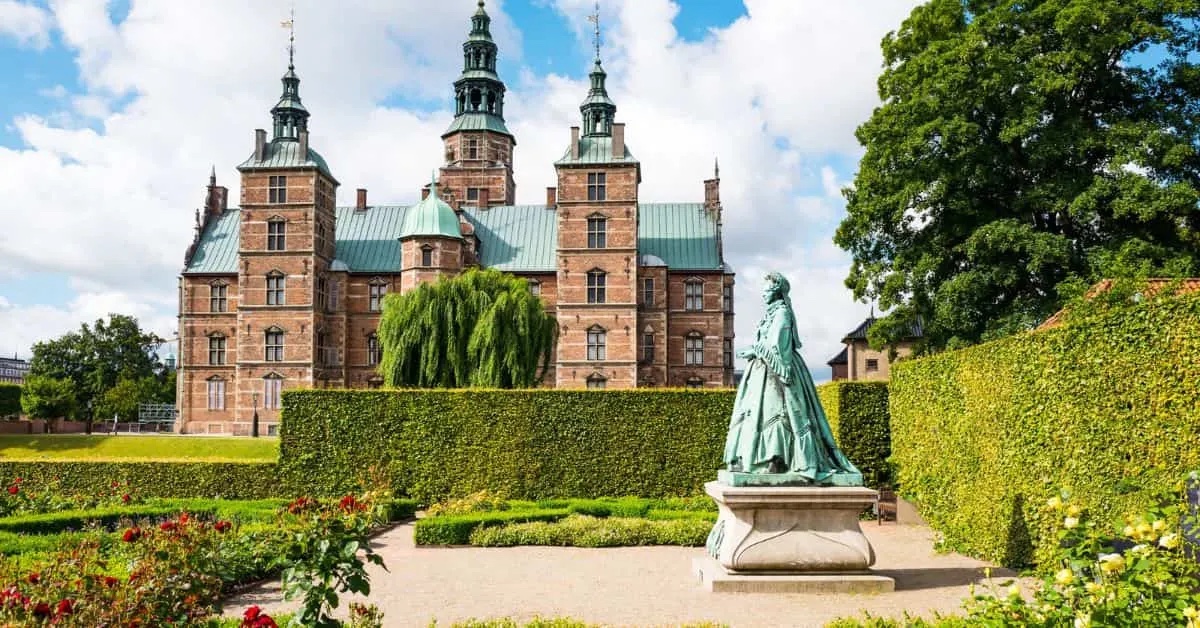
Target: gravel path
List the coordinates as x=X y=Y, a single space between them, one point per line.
x=636 y=586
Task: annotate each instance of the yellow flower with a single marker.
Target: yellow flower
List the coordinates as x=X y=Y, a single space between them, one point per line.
x=1073 y=510
x=1191 y=612
x=1054 y=502
x=1083 y=621
x=1129 y=531
x=1014 y=590
x=1169 y=541
x=1112 y=563
x=1064 y=577
x=1144 y=529
x=1093 y=587
x=1070 y=522
x=1159 y=525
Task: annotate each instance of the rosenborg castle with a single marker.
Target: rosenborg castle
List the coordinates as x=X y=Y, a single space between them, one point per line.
x=286 y=290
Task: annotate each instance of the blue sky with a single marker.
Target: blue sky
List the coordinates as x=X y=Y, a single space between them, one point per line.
x=115 y=111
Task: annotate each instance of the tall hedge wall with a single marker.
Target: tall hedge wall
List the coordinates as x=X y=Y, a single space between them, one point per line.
x=10 y=399
x=1108 y=407
x=232 y=480
x=530 y=444
x=858 y=416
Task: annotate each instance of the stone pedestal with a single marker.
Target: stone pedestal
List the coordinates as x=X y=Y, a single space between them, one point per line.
x=790 y=538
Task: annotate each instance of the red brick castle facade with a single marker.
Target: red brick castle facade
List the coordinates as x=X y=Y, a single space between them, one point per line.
x=286 y=291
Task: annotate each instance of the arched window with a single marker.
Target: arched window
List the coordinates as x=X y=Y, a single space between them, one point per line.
x=648 y=344
x=693 y=295
x=693 y=348
x=216 y=350
x=273 y=341
x=596 y=286
x=597 y=342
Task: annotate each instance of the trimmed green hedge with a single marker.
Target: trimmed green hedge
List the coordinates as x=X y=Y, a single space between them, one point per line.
x=457 y=529
x=1107 y=406
x=858 y=416
x=53 y=522
x=10 y=399
x=524 y=444
x=227 y=480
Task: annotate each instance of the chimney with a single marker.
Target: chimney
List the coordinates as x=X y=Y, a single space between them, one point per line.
x=260 y=144
x=551 y=197
x=361 y=204
x=222 y=199
x=304 y=145
x=618 y=142
x=574 y=142
x=483 y=198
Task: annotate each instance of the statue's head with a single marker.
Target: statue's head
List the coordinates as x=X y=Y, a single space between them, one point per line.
x=776 y=287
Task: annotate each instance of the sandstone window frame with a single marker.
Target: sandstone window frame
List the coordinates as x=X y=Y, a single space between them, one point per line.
x=473 y=194
x=218 y=297
x=597 y=344
x=276 y=233
x=648 y=344
x=597 y=186
x=325 y=353
x=727 y=352
x=597 y=286
x=597 y=231
x=377 y=289
x=596 y=381
x=276 y=288
x=322 y=293
x=272 y=391
x=648 y=292
x=727 y=298
x=217 y=344
x=426 y=255
x=473 y=147
x=693 y=348
x=693 y=294
x=273 y=344
x=277 y=189
x=374 y=349
x=216 y=392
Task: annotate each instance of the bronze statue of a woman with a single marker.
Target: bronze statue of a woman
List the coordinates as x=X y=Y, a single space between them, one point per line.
x=778 y=434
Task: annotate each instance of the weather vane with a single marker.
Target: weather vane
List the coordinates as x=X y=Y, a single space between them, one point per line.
x=594 y=18
x=290 y=24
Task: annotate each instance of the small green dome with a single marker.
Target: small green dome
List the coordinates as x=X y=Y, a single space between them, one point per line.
x=431 y=217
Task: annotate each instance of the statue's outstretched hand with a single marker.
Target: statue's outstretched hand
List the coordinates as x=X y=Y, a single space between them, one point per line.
x=746 y=354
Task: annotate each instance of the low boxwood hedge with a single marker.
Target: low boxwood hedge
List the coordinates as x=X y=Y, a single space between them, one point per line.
x=457 y=529
x=52 y=522
x=225 y=480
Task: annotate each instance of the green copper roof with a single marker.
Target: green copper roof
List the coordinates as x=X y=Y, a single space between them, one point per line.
x=596 y=150
x=218 y=249
x=431 y=217
x=684 y=235
x=516 y=238
x=475 y=121
x=285 y=153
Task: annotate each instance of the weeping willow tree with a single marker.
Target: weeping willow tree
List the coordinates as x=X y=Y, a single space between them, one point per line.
x=483 y=328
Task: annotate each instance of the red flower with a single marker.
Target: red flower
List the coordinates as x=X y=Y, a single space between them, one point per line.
x=65 y=607
x=183 y=518
x=131 y=535
x=125 y=498
x=42 y=609
x=17 y=480
x=252 y=613
x=115 y=484
x=34 y=578
x=110 y=581
x=167 y=526
x=222 y=526
x=349 y=504
x=13 y=490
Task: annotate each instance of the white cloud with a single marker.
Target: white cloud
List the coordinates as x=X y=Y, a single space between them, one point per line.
x=28 y=24
x=176 y=87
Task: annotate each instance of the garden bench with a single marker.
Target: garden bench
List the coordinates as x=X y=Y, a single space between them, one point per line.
x=885 y=505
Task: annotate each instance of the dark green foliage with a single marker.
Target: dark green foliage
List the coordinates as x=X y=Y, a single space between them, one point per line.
x=48 y=398
x=52 y=522
x=1024 y=148
x=457 y=529
x=585 y=531
x=1106 y=406
x=858 y=415
x=483 y=328
x=10 y=400
x=529 y=444
x=232 y=480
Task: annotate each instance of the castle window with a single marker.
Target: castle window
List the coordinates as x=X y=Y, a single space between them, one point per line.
x=374 y=350
x=216 y=394
x=648 y=346
x=275 y=288
x=727 y=352
x=472 y=194
x=334 y=294
x=727 y=299
x=597 y=382
x=274 y=345
x=597 y=232
x=275 y=235
x=427 y=255
x=217 y=301
x=596 y=280
x=473 y=144
x=323 y=349
x=693 y=295
x=596 y=186
x=375 y=293
x=648 y=292
x=535 y=287
x=272 y=392
x=872 y=365
x=695 y=382
x=597 y=339
x=216 y=350
x=277 y=190
x=322 y=293
x=693 y=349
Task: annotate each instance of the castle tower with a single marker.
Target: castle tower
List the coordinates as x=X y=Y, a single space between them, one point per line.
x=597 y=247
x=431 y=241
x=286 y=236
x=478 y=166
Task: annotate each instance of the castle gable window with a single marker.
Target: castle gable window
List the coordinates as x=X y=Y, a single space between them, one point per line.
x=275 y=288
x=693 y=295
x=274 y=345
x=596 y=286
x=597 y=341
x=276 y=230
x=597 y=232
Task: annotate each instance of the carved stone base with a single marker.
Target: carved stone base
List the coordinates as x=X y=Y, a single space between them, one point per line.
x=790 y=530
x=713 y=577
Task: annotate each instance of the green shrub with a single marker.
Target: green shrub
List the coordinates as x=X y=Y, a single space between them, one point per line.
x=52 y=522
x=858 y=416
x=10 y=400
x=526 y=444
x=457 y=529
x=1107 y=406
x=479 y=501
x=585 y=531
x=228 y=480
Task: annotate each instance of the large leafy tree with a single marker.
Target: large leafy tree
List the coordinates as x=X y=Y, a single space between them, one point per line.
x=483 y=328
x=98 y=356
x=48 y=398
x=1024 y=149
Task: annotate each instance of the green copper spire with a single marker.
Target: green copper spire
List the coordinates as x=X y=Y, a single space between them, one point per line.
x=289 y=113
x=431 y=217
x=598 y=109
x=479 y=92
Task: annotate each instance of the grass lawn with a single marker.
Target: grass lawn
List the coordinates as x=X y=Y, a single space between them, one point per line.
x=135 y=448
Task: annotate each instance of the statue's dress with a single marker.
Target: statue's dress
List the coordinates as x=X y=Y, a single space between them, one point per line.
x=777 y=412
